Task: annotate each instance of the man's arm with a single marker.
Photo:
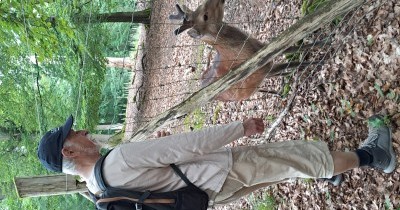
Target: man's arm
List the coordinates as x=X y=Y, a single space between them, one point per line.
x=176 y=148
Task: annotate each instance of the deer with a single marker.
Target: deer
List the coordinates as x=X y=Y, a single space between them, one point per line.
x=233 y=47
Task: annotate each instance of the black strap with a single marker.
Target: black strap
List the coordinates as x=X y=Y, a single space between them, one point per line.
x=98 y=172
x=180 y=174
x=103 y=187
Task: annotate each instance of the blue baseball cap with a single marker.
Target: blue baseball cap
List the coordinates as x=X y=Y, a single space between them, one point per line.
x=51 y=144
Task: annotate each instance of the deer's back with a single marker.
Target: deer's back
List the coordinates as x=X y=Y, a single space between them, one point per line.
x=233 y=48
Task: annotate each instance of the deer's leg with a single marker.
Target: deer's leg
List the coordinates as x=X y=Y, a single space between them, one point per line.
x=295 y=49
x=272 y=92
x=281 y=68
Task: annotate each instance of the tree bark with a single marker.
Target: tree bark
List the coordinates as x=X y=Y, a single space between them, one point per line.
x=288 y=38
x=124 y=63
x=120 y=17
x=110 y=127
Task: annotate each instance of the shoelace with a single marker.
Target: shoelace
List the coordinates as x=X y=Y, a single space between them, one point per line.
x=371 y=139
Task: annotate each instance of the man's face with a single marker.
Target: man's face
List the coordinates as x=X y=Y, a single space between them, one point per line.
x=80 y=142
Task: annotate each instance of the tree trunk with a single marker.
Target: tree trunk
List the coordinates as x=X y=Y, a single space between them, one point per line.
x=124 y=63
x=120 y=17
x=289 y=37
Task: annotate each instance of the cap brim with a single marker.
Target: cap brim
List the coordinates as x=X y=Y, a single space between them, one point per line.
x=67 y=126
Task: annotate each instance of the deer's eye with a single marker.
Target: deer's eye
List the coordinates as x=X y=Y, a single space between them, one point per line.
x=205 y=17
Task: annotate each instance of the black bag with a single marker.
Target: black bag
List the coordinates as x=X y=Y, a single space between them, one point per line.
x=186 y=198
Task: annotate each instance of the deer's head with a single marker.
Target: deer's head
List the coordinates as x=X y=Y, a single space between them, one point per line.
x=207 y=18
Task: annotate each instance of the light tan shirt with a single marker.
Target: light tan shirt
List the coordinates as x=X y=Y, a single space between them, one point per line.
x=144 y=165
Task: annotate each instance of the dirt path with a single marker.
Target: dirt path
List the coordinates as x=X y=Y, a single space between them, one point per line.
x=360 y=76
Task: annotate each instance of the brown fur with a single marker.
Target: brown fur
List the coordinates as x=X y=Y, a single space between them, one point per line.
x=233 y=47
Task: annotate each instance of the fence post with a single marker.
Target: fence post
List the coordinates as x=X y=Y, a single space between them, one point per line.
x=59 y=184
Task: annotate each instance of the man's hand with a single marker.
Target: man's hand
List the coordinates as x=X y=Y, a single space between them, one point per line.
x=253 y=126
x=162 y=134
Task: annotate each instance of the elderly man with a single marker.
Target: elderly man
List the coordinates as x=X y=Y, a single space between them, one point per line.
x=224 y=173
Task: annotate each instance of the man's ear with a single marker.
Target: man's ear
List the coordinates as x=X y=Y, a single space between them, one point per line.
x=66 y=152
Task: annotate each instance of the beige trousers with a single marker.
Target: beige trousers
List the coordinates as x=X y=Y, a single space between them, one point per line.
x=255 y=167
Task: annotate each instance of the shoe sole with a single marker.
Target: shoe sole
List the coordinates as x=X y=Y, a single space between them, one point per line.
x=392 y=164
x=338 y=180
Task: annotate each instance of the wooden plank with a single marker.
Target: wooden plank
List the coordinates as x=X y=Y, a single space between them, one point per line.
x=59 y=184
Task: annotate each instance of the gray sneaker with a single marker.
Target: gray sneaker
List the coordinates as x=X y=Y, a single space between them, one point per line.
x=335 y=180
x=379 y=145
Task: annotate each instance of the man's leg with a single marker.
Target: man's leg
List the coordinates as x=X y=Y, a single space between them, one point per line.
x=344 y=161
x=264 y=165
x=261 y=166
x=376 y=151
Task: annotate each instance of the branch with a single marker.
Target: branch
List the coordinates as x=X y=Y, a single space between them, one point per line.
x=271 y=129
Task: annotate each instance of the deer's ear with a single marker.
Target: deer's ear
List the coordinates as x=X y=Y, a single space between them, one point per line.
x=180 y=16
x=194 y=33
x=178 y=7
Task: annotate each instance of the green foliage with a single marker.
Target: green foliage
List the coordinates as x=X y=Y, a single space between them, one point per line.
x=270 y=118
x=52 y=67
x=293 y=56
x=370 y=40
x=332 y=136
x=309 y=6
x=44 y=56
x=216 y=114
x=346 y=108
x=286 y=90
x=379 y=90
x=309 y=180
x=113 y=103
x=392 y=95
x=196 y=119
x=377 y=122
x=268 y=202
x=328 y=195
x=388 y=203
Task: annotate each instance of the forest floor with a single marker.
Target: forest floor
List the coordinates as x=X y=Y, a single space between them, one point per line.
x=360 y=76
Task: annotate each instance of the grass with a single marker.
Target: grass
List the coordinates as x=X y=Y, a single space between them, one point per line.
x=392 y=95
x=216 y=113
x=293 y=56
x=328 y=195
x=378 y=122
x=268 y=202
x=309 y=6
x=346 y=108
x=332 y=135
x=379 y=90
x=270 y=118
x=308 y=181
x=370 y=40
x=195 y=120
x=286 y=90
x=388 y=203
